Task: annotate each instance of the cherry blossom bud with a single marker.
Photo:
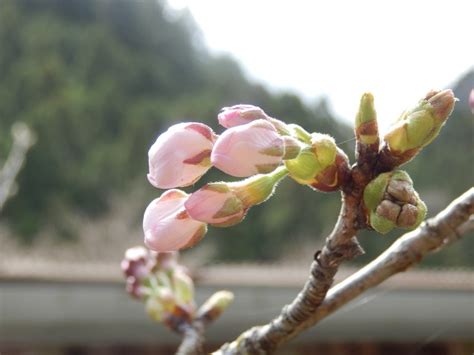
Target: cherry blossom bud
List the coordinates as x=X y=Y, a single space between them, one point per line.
x=135 y=262
x=417 y=127
x=392 y=202
x=215 y=305
x=322 y=165
x=216 y=204
x=167 y=225
x=180 y=156
x=248 y=149
x=225 y=204
x=240 y=114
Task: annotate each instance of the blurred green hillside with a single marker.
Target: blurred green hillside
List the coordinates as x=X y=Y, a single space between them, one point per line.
x=99 y=80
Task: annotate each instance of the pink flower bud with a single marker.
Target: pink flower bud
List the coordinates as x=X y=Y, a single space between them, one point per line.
x=240 y=114
x=248 y=149
x=135 y=263
x=216 y=204
x=168 y=226
x=180 y=156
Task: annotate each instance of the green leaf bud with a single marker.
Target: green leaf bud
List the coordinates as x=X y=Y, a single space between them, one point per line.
x=366 y=128
x=417 y=127
x=215 y=305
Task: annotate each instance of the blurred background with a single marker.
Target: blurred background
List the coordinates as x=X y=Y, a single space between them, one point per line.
x=97 y=81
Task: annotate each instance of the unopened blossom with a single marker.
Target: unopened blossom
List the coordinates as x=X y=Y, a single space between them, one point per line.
x=224 y=204
x=135 y=263
x=181 y=155
x=168 y=226
x=216 y=204
x=240 y=114
x=248 y=149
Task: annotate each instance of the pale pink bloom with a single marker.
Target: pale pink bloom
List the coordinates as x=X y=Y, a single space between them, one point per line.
x=215 y=204
x=168 y=226
x=248 y=149
x=180 y=156
x=240 y=114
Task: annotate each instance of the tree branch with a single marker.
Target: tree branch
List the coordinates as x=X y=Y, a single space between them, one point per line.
x=408 y=250
x=433 y=235
x=193 y=338
x=341 y=245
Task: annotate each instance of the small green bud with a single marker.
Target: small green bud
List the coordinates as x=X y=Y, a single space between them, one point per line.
x=366 y=128
x=183 y=288
x=417 y=127
x=215 y=305
x=392 y=202
x=322 y=165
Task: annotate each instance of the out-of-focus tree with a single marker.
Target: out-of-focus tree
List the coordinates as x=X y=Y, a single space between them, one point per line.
x=98 y=80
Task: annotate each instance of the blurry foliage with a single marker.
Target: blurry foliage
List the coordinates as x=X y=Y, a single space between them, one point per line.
x=99 y=80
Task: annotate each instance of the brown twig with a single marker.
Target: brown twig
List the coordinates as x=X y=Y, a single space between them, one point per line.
x=341 y=245
x=407 y=251
x=193 y=338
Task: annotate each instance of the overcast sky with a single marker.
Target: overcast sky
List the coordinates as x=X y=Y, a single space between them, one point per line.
x=397 y=50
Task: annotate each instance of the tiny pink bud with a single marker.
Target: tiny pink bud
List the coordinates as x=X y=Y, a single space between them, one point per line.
x=135 y=263
x=215 y=204
x=248 y=149
x=240 y=114
x=168 y=226
x=180 y=156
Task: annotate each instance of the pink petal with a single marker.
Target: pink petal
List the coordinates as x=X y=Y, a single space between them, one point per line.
x=167 y=226
x=241 y=151
x=172 y=158
x=212 y=206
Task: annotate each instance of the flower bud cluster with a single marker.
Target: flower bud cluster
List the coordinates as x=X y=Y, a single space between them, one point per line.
x=254 y=146
x=160 y=282
x=166 y=288
x=392 y=202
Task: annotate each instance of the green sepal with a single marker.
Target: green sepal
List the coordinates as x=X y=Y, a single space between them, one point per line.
x=422 y=210
x=304 y=167
x=374 y=191
x=381 y=224
x=231 y=206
